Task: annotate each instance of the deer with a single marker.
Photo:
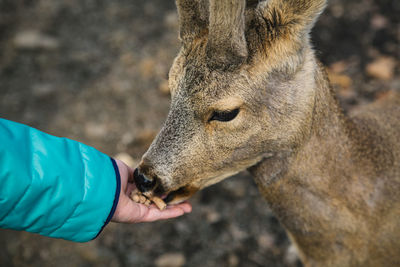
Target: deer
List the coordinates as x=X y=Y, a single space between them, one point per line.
x=248 y=93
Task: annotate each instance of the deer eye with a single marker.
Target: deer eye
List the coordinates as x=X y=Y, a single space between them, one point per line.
x=226 y=115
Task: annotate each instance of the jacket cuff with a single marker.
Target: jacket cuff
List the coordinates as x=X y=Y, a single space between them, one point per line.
x=116 y=196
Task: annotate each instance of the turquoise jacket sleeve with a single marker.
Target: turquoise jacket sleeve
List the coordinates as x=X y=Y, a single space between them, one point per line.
x=54 y=186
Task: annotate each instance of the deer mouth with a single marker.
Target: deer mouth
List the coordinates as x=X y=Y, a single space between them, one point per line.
x=180 y=195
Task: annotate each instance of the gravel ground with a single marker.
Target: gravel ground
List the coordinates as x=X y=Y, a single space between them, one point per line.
x=95 y=71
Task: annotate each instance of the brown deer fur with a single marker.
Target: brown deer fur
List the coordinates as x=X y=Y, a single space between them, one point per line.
x=332 y=179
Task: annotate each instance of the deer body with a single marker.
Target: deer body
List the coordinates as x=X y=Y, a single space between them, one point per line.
x=248 y=93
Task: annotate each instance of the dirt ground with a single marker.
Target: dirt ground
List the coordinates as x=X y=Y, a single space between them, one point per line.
x=95 y=71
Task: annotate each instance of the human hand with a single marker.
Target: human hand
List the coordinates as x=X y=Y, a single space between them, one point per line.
x=128 y=211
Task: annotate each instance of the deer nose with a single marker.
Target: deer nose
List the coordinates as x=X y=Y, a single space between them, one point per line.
x=143 y=183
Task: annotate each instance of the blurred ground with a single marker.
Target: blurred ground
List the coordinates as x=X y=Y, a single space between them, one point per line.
x=95 y=71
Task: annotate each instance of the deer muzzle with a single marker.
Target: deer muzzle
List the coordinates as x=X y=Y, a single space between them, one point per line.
x=151 y=187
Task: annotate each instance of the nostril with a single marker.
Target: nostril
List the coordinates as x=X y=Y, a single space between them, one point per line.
x=142 y=182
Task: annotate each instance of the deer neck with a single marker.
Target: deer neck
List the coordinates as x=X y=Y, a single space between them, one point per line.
x=312 y=190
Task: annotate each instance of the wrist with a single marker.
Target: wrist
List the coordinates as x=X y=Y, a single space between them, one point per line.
x=116 y=195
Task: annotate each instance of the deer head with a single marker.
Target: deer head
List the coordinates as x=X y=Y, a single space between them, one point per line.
x=242 y=89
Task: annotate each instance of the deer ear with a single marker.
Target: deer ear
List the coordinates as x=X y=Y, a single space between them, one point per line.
x=226 y=46
x=290 y=17
x=193 y=18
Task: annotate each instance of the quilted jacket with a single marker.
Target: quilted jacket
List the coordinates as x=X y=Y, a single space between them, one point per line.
x=54 y=186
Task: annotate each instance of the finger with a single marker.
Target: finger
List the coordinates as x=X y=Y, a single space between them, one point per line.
x=155 y=214
x=129 y=189
x=185 y=206
x=130 y=175
x=133 y=212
